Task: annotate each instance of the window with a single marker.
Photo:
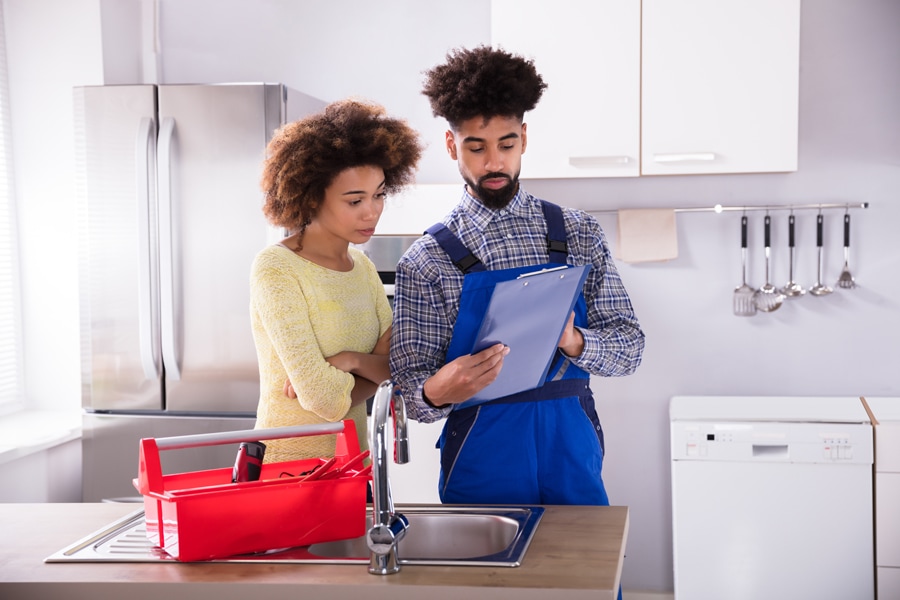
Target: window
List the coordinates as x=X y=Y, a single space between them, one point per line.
x=11 y=387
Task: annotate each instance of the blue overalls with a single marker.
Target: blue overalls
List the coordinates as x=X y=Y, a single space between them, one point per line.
x=542 y=446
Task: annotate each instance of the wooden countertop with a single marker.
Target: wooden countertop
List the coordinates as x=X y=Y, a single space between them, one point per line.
x=576 y=552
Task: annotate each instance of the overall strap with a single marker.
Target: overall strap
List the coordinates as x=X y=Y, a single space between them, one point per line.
x=557 y=247
x=464 y=260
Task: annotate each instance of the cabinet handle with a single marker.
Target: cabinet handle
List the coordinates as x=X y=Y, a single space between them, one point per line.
x=683 y=157
x=583 y=162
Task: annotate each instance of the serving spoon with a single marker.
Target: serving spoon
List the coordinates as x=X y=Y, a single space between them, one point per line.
x=819 y=289
x=791 y=288
x=768 y=298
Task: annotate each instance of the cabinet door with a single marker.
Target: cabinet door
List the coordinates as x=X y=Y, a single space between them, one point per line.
x=888 y=582
x=887 y=520
x=587 y=123
x=719 y=86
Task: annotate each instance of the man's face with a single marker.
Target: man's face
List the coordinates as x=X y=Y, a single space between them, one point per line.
x=489 y=156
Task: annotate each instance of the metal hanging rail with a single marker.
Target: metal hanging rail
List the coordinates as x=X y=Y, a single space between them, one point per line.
x=718 y=208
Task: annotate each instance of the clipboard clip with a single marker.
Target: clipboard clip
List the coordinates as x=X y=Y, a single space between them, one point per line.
x=542 y=271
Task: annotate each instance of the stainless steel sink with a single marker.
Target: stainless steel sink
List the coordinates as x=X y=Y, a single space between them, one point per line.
x=452 y=535
x=437 y=535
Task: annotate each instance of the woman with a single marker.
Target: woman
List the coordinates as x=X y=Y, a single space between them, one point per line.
x=321 y=320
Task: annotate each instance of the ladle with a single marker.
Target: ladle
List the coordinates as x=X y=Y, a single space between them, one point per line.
x=768 y=298
x=791 y=288
x=819 y=289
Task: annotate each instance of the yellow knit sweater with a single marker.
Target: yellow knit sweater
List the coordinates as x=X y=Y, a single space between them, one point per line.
x=302 y=313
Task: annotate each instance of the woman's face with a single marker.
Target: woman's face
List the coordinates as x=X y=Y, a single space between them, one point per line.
x=353 y=204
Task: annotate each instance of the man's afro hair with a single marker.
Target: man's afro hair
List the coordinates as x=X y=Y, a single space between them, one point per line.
x=482 y=82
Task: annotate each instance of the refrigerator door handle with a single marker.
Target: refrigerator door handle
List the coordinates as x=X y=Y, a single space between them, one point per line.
x=169 y=305
x=149 y=343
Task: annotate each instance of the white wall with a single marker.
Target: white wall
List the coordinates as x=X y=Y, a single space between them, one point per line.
x=331 y=50
x=52 y=475
x=844 y=344
x=51 y=46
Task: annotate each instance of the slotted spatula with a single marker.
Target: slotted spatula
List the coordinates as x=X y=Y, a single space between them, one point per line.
x=744 y=305
x=846 y=278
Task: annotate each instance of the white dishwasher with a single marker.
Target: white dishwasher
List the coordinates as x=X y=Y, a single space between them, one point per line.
x=771 y=498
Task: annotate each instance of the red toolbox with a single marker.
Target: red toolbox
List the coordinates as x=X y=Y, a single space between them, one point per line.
x=202 y=515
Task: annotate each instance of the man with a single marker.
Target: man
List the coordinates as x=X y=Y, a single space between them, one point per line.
x=543 y=446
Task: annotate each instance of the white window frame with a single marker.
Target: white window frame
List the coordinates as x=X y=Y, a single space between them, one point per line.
x=12 y=388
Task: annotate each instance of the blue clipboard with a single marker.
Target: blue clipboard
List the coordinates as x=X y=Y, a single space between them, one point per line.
x=528 y=314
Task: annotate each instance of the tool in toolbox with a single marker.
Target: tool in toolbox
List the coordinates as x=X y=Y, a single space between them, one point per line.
x=202 y=515
x=248 y=463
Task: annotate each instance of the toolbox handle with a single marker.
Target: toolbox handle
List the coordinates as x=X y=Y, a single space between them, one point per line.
x=246 y=435
x=150 y=476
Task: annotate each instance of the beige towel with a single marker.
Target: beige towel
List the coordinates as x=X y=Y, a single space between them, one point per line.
x=646 y=235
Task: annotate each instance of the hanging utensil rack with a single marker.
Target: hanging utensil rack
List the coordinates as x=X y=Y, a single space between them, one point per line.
x=718 y=208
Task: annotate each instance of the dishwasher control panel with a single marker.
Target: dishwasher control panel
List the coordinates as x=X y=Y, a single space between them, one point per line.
x=772 y=442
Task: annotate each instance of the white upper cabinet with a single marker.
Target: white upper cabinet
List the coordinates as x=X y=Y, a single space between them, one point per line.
x=588 y=52
x=658 y=87
x=720 y=84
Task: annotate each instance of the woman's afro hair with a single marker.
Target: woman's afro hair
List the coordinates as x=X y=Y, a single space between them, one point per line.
x=305 y=156
x=482 y=82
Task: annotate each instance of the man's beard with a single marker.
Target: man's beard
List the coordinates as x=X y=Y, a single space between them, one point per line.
x=494 y=199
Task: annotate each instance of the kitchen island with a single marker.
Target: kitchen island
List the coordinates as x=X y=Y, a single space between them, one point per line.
x=576 y=552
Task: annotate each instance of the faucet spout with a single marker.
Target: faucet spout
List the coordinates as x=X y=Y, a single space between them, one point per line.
x=388 y=527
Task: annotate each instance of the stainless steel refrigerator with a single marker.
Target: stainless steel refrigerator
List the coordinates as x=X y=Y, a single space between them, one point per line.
x=170 y=209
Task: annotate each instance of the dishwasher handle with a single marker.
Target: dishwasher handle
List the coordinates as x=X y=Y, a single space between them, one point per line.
x=771 y=451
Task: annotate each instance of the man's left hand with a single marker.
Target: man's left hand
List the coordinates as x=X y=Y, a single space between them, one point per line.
x=572 y=341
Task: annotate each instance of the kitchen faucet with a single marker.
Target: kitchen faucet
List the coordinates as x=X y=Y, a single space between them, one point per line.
x=388 y=527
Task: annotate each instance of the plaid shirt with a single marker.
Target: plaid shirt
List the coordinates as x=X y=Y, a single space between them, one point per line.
x=428 y=286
